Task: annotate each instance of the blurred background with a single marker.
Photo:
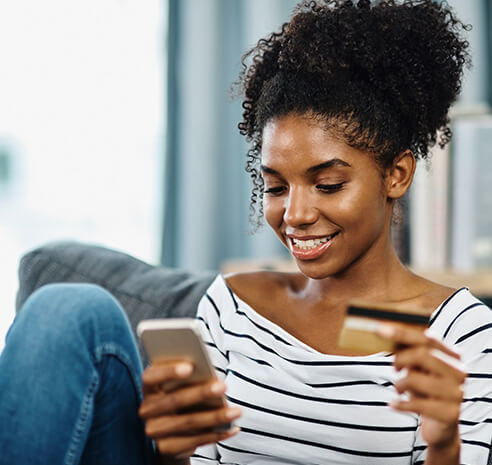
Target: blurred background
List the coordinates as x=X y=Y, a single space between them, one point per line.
x=117 y=128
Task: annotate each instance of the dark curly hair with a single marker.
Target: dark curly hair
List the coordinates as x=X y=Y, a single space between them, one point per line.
x=382 y=74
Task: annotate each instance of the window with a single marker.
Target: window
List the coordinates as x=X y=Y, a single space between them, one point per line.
x=81 y=128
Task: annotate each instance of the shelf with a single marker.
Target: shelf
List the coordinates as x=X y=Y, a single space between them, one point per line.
x=479 y=282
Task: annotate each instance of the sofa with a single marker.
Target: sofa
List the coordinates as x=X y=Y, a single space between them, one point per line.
x=143 y=290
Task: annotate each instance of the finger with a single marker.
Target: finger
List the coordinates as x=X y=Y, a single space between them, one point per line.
x=177 y=445
x=185 y=454
x=451 y=361
x=412 y=337
x=157 y=374
x=428 y=360
x=446 y=412
x=164 y=403
x=186 y=424
x=422 y=385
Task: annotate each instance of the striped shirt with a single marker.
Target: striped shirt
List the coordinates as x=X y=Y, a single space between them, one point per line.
x=301 y=406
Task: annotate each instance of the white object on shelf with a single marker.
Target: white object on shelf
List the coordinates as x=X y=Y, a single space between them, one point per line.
x=471 y=231
x=429 y=212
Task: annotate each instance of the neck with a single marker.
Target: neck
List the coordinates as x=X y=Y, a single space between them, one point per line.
x=375 y=277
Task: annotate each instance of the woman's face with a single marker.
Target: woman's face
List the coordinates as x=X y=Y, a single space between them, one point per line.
x=324 y=199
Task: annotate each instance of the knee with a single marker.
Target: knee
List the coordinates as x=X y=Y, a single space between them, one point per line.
x=66 y=328
x=63 y=308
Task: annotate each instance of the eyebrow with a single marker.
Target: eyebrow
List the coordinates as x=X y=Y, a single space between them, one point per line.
x=313 y=169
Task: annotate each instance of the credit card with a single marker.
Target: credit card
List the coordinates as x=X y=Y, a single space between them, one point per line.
x=359 y=332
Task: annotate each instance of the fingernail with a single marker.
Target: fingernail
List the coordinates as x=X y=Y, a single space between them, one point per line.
x=385 y=330
x=142 y=411
x=402 y=373
x=394 y=402
x=448 y=359
x=233 y=430
x=217 y=388
x=184 y=369
x=233 y=413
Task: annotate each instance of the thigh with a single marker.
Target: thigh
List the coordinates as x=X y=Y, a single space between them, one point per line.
x=70 y=366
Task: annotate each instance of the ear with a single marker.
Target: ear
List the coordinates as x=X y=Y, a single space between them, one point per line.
x=400 y=175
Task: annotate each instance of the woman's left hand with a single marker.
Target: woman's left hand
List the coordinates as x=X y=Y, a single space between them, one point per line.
x=433 y=379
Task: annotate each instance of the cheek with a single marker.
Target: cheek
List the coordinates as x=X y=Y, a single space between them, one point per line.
x=272 y=211
x=360 y=206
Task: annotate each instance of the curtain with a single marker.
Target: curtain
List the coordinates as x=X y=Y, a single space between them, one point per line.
x=206 y=188
x=476 y=84
x=207 y=191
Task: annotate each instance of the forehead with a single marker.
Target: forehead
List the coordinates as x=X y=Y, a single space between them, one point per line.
x=304 y=141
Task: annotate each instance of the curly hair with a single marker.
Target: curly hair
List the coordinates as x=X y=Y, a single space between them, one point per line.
x=381 y=74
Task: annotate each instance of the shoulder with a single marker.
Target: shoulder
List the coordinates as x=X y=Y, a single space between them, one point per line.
x=435 y=295
x=253 y=287
x=422 y=293
x=462 y=300
x=246 y=281
x=463 y=319
x=216 y=299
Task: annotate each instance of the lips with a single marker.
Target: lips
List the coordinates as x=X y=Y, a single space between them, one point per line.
x=310 y=249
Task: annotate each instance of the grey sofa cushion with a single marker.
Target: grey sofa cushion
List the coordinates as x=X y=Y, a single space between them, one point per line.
x=144 y=291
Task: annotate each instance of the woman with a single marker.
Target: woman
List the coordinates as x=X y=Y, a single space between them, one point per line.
x=338 y=106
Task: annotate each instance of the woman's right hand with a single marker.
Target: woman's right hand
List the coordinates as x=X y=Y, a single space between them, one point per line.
x=177 y=434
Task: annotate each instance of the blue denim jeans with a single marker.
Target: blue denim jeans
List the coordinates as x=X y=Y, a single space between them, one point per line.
x=70 y=382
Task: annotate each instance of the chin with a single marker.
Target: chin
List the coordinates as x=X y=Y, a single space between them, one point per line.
x=316 y=271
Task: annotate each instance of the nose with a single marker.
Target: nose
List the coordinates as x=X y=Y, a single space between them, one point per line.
x=299 y=209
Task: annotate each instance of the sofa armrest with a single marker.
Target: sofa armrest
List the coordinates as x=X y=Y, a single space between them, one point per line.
x=144 y=291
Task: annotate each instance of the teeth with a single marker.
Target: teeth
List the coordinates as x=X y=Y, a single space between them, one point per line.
x=311 y=243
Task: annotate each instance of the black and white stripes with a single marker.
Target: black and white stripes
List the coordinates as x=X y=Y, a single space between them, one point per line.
x=303 y=406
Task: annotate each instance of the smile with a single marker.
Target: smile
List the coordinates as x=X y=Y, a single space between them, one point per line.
x=311 y=248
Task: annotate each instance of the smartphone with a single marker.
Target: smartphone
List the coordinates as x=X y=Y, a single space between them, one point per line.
x=179 y=339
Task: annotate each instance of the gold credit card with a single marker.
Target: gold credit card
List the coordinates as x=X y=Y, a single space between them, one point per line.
x=359 y=332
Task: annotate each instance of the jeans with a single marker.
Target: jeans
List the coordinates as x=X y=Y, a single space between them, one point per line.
x=70 y=382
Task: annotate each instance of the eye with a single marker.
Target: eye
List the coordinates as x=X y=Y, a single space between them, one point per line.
x=330 y=188
x=274 y=190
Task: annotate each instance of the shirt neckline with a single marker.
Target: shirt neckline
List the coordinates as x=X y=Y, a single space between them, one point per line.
x=297 y=342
